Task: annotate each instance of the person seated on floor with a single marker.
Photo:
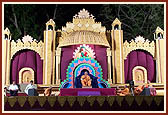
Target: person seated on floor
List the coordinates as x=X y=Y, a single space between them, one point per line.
x=30 y=89
x=13 y=88
x=138 y=89
x=124 y=92
x=118 y=90
x=86 y=80
x=148 y=85
x=152 y=89
x=93 y=80
x=48 y=91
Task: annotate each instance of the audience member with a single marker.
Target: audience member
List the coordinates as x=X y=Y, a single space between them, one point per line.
x=13 y=88
x=31 y=89
x=48 y=91
x=124 y=92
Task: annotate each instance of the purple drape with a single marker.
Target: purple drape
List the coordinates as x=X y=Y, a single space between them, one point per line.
x=67 y=57
x=27 y=58
x=139 y=58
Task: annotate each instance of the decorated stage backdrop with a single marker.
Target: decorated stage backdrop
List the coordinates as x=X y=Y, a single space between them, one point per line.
x=67 y=57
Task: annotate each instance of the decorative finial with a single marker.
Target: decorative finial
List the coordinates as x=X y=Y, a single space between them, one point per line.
x=139 y=39
x=83 y=14
x=51 y=21
x=27 y=39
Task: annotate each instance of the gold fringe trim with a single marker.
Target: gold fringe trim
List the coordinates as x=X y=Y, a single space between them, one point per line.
x=22 y=100
x=32 y=100
x=139 y=100
x=100 y=100
x=129 y=100
x=91 y=100
x=61 y=100
x=12 y=101
x=110 y=100
x=158 y=99
x=41 y=100
x=71 y=100
x=81 y=100
x=51 y=100
x=119 y=99
x=148 y=99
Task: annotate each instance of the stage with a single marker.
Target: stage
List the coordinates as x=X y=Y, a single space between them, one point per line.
x=84 y=103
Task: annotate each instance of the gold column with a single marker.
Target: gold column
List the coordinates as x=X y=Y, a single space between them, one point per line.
x=160 y=55
x=109 y=65
x=4 y=61
x=113 y=59
x=117 y=44
x=6 y=57
x=158 y=62
x=49 y=53
x=58 y=63
x=8 y=63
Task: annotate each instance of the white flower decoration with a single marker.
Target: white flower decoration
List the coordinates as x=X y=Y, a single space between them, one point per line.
x=27 y=39
x=83 y=14
x=139 y=39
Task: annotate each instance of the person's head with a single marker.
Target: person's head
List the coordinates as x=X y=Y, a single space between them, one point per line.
x=117 y=87
x=13 y=82
x=50 y=87
x=86 y=73
x=31 y=82
x=125 y=86
x=148 y=82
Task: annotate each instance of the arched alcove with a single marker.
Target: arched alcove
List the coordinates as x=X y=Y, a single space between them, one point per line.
x=140 y=58
x=116 y=27
x=26 y=59
x=50 y=27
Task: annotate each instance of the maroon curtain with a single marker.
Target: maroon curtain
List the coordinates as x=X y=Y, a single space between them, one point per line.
x=140 y=58
x=67 y=57
x=27 y=58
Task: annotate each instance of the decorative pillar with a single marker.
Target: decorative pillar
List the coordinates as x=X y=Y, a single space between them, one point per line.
x=58 y=63
x=109 y=65
x=49 y=53
x=160 y=55
x=6 y=57
x=117 y=52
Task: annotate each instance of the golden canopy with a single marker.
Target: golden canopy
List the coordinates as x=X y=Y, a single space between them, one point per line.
x=83 y=30
x=84 y=37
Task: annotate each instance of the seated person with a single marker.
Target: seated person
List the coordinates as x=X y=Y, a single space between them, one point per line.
x=152 y=89
x=86 y=80
x=30 y=89
x=123 y=92
x=148 y=85
x=92 y=81
x=118 y=90
x=13 y=88
x=48 y=91
x=138 y=89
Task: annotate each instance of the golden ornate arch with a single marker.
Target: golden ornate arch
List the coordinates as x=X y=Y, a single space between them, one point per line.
x=23 y=70
x=18 y=46
x=142 y=77
x=138 y=43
